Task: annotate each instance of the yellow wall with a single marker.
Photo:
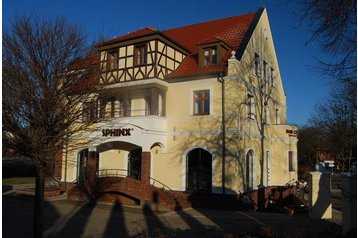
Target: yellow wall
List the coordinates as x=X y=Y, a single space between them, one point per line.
x=184 y=131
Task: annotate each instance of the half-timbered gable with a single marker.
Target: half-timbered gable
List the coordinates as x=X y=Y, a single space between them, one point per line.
x=149 y=56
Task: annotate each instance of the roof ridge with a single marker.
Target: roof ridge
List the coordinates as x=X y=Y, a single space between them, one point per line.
x=141 y=29
x=210 y=21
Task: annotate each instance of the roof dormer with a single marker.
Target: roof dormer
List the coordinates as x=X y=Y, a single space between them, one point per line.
x=212 y=51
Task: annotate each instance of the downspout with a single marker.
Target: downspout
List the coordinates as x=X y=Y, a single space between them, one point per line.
x=220 y=79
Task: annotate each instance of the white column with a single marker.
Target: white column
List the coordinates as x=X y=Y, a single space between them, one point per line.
x=320 y=204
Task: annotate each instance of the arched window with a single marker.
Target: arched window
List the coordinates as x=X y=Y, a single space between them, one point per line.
x=199 y=170
x=249 y=165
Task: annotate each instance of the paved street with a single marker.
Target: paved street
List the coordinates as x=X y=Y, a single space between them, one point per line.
x=77 y=219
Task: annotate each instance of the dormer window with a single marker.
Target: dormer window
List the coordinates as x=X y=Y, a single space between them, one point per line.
x=140 y=54
x=210 y=56
x=112 y=62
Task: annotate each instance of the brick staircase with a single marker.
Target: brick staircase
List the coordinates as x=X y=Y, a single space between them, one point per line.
x=148 y=195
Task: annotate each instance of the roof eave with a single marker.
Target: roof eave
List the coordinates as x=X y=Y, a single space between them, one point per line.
x=110 y=42
x=240 y=51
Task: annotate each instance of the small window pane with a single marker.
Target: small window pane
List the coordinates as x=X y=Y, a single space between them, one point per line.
x=141 y=55
x=214 y=56
x=210 y=56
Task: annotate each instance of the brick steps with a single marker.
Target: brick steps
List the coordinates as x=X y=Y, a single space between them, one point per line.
x=133 y=189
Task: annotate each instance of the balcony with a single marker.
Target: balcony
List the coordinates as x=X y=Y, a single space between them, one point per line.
x=103 y=116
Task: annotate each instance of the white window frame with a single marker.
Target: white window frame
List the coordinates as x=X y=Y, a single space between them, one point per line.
x=191 y=101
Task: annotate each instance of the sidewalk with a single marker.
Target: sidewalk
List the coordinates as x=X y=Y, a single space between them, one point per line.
x=78 y=219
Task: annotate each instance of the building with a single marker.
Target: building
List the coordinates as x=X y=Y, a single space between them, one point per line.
x=198 y=109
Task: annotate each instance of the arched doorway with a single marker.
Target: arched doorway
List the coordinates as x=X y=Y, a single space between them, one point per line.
x=135 y=163
x=82 y=164
x=199 y=170
x=249 y=165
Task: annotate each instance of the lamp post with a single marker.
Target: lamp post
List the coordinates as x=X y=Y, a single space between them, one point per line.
x=220 y=79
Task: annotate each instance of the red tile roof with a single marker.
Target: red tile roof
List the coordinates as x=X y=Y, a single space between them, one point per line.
x=231 y=31
x=86 y=62
x=90 y=82
x=141 y=32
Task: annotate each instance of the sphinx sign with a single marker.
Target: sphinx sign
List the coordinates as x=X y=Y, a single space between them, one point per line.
x=117 y=132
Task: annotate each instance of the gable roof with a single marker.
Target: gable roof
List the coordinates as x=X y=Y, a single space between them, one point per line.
x=234 y=32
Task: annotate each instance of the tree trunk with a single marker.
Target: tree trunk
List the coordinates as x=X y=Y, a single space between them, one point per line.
x=38 y=203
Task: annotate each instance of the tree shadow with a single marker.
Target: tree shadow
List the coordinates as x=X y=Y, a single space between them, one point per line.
x=17 y=214
x=116 y=224
x=155 y=228
x=196 y=228
x=75 y=226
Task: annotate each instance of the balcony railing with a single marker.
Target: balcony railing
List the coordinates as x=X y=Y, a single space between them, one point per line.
x=93 y=116
x=132 y=113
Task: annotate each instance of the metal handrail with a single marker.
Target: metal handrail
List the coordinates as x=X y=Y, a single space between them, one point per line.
x=121 y=173
x=164 y=186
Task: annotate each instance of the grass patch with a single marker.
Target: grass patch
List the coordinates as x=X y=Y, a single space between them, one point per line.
x=18 y=180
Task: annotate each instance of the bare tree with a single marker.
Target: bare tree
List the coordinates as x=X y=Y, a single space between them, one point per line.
x=310 y=140
x=336 y=118
x=46 y=77
x=334 y=26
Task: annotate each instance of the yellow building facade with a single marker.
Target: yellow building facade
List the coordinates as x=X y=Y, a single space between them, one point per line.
x=199 y=108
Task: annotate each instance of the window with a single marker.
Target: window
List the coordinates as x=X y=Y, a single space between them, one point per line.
x=148 y=106
x=202 y=102
x=265 y=73
x=272 y=79
x=290 y=161
x=267 y=114
x=107 y=108
x=210 y=56
x=110 y=107
x=278 y=118
x=125 y=107
x=112 y=62
x=140 y=54
x=89 y=111
x=257 y=65
x=250 y=105
x=249 y=170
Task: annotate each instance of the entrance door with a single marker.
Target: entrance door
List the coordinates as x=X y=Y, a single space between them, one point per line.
x=134 y=163
x=199 y=170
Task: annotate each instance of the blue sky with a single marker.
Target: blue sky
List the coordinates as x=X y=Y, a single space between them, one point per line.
x=303 y=87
